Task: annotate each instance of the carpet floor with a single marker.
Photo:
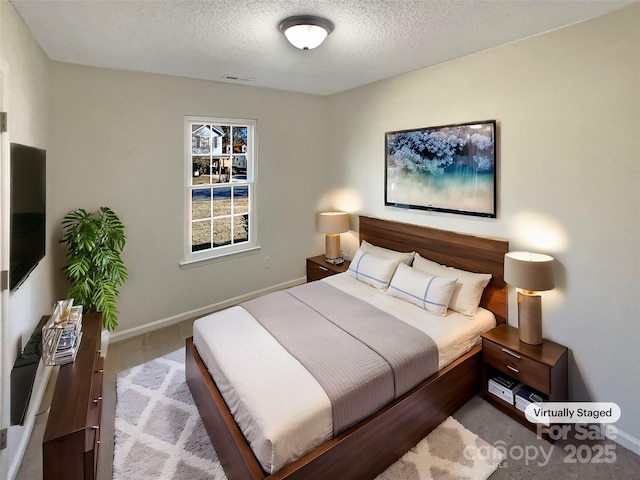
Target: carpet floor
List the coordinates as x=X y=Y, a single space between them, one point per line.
x=158 y=434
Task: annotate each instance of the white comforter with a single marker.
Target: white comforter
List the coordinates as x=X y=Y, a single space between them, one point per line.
x=280 y=408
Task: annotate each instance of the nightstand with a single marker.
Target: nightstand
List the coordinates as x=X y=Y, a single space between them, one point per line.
x=318 y=267
x=543 y=367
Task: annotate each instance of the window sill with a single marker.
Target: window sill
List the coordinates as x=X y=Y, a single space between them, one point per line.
x=186 y=264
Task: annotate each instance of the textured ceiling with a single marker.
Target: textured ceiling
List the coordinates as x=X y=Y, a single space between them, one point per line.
x=372 y=39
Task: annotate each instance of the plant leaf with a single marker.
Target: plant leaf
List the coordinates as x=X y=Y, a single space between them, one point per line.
x=94 y=265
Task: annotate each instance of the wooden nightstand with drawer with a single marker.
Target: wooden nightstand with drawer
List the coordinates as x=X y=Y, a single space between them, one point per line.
x=318 y=267
x=544 y=368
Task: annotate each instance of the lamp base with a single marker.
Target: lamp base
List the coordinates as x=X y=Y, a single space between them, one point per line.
x=332 y=248
x=530 y=318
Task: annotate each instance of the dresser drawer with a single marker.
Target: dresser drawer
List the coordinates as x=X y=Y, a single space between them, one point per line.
x=316 y=272
x=517 y=366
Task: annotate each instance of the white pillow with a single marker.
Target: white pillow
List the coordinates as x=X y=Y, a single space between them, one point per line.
x=372 y=269
x=426 y=291
x=387 y=253
x=469 y=287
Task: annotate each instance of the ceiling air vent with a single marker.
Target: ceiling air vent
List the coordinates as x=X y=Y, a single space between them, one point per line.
x=237 y=78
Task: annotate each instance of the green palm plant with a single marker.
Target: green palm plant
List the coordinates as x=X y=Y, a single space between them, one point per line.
x=94 y=267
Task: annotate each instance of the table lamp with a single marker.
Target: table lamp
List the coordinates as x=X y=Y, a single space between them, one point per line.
x=530 y=272
x=332 y=224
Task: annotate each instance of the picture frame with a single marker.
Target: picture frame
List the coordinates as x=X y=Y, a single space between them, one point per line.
x=447 y=168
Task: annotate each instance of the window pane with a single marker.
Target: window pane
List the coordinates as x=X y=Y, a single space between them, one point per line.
x=200 y=203
x=216 y=166
x=216 y=139
x=221 y=201
x=221 y=231
x=201 y=139
x=241 y=228
x=239 y=168
x=239 y=139
x=241 y=199
x=225 y=130
x=201 y=170
x=200 y=235
x=222 y=169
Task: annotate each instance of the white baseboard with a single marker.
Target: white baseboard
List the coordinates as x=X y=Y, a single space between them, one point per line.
x=165 y=322
x=627 y=441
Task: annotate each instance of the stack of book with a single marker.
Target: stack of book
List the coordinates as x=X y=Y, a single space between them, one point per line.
x=503 y=387
x=67 y=347
x=525 y=396
x=62 y=334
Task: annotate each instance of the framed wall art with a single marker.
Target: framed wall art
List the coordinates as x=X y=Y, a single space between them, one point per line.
x=449 y=168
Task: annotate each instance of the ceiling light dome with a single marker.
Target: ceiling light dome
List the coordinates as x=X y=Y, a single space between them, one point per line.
x=306 y=31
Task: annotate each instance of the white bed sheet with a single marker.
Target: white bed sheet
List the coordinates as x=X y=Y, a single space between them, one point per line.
x=281 y=409
x=455 y=334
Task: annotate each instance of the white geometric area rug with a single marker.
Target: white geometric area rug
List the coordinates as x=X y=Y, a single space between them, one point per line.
x=159 y=435
x=450 y=452
x=158 y=431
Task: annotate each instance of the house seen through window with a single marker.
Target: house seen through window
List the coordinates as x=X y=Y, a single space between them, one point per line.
x=220 y=187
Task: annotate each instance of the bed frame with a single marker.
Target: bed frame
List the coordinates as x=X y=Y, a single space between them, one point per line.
x=369 y=447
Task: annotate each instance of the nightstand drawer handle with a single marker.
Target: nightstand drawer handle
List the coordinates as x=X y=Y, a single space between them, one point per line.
x=513 y=369
x=511 y=353
x=324 y=269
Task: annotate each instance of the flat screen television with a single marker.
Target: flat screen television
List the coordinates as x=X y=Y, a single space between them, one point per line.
x=28 y=208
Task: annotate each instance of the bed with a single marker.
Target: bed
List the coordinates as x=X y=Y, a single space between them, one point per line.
x=366 y=448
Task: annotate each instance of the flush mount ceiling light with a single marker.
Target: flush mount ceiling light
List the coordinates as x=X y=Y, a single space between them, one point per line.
x=306 y=31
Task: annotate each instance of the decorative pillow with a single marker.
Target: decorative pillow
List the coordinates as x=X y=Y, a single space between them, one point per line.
x=469 y=287
x=372 y=269
x=426 y=291
x=387 y=253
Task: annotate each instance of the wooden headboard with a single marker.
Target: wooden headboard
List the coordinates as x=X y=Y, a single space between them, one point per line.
x=459 y=250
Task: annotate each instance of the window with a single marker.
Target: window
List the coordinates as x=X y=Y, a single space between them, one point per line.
x=220 y=185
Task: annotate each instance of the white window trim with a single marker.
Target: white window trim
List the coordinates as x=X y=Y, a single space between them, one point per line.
x=225 y=252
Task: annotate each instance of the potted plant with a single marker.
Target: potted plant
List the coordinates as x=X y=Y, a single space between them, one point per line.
x=94 y=267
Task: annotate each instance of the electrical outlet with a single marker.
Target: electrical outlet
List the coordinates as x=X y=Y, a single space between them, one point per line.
x=266 y=262
x=3 y=439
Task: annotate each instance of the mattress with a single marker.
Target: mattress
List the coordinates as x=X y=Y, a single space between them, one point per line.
x=281 y=409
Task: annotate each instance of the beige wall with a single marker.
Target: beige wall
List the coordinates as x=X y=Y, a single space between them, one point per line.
x=25 y=97
x=118 y=141
x=568 y=108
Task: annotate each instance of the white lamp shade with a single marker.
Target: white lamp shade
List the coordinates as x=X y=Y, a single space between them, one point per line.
x=332 y=222
x=306 y=31
x=305 y=37
x=529 y=271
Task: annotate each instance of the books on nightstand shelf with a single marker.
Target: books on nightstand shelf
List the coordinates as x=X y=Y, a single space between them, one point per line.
x=525 y=396
x=503 y=387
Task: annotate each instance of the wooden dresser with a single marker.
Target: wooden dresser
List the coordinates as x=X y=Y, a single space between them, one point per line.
x=71 y=438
